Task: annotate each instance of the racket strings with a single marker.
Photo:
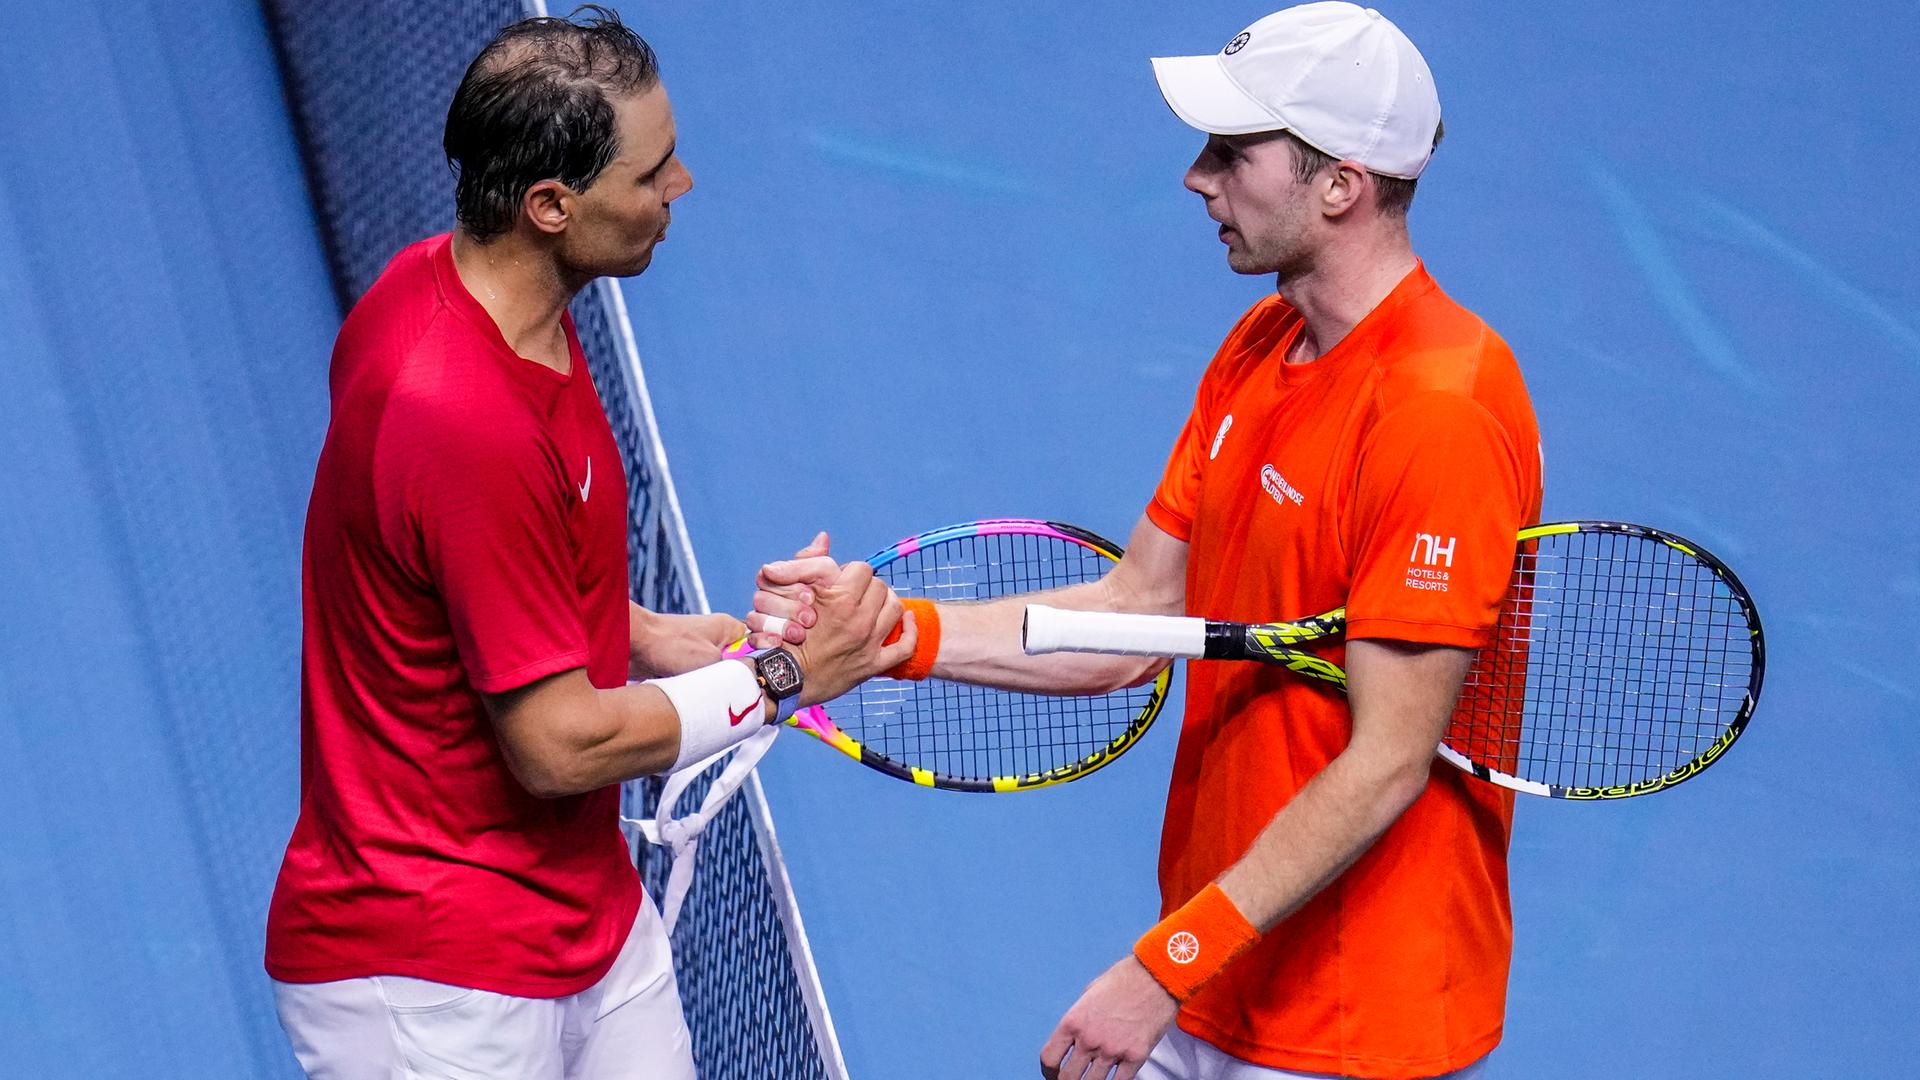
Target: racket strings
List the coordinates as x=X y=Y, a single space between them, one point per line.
x=1617 y=659
x=974 y=732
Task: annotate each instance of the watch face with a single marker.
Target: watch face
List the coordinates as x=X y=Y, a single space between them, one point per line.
x=781 y=671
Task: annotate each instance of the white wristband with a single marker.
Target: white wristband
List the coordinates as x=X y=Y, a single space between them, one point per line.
x=719 y=705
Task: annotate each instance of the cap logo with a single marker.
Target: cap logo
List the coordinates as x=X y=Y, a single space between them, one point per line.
x=1238 y=43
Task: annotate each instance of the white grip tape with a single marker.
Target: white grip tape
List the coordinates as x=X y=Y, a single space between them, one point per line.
x=719 y=705
x=773 y=624
x=1050 y=630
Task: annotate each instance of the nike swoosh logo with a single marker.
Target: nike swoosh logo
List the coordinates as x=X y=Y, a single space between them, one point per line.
x=588 y=486
x=734 y=718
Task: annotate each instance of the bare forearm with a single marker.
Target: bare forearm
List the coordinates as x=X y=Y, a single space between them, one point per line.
x=662 y=644
x=639 y=621
x=980 y=643
x=1401 y=696
x=562 y=735
x=1321 y=832
x=575 y=737
x=633 y=732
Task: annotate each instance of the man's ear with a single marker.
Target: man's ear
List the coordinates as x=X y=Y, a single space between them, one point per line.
x=1349 y=181
x=549 y=205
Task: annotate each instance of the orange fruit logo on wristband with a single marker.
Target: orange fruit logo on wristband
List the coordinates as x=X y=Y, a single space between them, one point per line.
x=1183 y=948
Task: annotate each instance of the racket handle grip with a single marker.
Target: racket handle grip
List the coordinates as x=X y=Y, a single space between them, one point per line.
x=1049 y=630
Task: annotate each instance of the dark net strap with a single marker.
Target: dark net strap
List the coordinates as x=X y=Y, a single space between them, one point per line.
x=369 y=86
x=1617 y=659
x=973 y=732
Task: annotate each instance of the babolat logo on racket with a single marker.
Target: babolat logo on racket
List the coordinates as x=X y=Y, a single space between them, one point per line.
x=1238 y=43
x=1644 y=787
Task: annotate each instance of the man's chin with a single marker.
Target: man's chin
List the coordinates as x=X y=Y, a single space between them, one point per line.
x=632 y=267
x=1242 y=263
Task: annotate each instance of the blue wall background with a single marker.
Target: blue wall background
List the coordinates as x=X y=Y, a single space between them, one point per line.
x=938 y=265
x=167 y=319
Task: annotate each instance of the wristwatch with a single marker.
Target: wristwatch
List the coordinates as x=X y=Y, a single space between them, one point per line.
x=778 y=672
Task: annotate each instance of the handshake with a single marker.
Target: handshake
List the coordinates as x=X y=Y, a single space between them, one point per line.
x=843 y=625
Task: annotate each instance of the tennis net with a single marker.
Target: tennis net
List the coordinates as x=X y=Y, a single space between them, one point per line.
x=369 y=86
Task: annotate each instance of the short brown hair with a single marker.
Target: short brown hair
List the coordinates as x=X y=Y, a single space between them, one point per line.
x=534 y=106
x=1396 y=193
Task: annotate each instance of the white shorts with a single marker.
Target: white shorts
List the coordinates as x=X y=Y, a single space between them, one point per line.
x=1180 y=1056
x=387 y=1027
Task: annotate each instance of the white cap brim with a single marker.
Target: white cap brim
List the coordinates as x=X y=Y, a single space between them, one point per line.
x=1200 y=92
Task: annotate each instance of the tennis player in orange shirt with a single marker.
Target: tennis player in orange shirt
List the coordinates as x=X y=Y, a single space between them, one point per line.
x=1335 y=903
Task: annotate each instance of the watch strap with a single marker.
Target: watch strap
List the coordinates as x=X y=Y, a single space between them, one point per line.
x=785 y=708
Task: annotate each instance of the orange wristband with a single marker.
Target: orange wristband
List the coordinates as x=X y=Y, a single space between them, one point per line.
x=920 y=664
x=1191 y=945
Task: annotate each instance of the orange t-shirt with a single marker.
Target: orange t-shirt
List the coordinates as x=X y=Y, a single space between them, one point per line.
x=1390 y=475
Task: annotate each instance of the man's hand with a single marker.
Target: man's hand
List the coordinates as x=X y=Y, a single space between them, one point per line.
x=786 y=589
x=1115 y=1025
x=662 y=645
x=847 y=645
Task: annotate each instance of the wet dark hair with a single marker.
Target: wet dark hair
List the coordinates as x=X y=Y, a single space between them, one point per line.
x=534 y=105
x=1396 y=193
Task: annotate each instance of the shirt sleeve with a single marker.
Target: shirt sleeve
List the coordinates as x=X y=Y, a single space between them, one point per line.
x=1437 y=506
x=492 y=511
x=1178 y=497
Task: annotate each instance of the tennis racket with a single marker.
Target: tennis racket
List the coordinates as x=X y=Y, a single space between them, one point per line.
x=973 y=738
x=1625 y=661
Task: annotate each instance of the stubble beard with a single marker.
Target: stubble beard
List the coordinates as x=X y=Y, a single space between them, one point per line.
x=1283 y=256
x=587 y=267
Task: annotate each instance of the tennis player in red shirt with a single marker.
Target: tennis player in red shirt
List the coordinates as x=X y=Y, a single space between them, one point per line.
x=457 y=898
x=1334 y=902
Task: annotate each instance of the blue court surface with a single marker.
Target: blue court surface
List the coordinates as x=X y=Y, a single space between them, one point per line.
x=938 y=265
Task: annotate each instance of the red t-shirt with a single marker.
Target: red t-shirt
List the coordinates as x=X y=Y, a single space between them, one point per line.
x=467 y=533
x=1389 y=475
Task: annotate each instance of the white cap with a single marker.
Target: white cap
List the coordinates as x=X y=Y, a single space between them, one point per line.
x=1340 y=76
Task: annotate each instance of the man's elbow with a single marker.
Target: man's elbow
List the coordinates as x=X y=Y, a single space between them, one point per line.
x=1407 y=780
x=559 y=762
x=547 y=775
x=1142 y=594
x=1147 y=670
x=1396 y=775
x=1097 y=675
x=551 y=758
